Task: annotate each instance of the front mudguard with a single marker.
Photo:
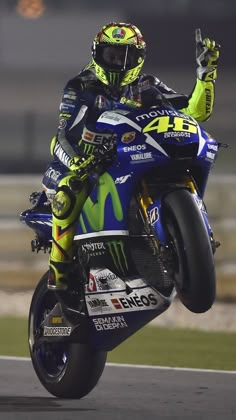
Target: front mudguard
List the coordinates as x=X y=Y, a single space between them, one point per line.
x=156 y=215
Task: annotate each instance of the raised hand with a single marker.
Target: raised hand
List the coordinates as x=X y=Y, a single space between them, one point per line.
x=207 y=55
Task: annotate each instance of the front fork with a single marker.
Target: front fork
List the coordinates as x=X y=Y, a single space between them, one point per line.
x=152 y=210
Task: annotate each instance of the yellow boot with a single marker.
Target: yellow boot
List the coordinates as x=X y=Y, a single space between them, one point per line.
x=58 y=275
x=66 y=207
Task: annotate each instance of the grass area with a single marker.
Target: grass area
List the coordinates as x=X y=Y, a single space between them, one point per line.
x=151 y=345
x=13 y=333
x=178 y=348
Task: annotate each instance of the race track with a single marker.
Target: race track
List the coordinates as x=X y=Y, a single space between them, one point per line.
x=124 y=392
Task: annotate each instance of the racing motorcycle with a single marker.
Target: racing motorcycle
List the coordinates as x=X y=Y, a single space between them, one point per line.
x=143 y=237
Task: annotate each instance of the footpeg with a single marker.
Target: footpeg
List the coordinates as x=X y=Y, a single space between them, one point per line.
x=214 y=244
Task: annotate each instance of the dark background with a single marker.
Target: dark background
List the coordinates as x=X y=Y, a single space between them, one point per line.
x=38 y=56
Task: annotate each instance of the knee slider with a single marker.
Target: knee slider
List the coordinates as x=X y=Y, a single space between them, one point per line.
x=63 y=203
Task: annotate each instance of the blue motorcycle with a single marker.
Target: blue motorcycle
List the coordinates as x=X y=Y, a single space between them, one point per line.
x=143 y=236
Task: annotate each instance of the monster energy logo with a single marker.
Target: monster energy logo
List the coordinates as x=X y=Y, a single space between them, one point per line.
x=88 y=148
x=114 y=78
x=117 y=252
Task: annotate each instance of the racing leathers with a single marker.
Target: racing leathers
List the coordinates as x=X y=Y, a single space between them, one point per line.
x=67 y=180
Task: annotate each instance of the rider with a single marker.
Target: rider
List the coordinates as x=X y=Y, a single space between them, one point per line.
x=112 y=77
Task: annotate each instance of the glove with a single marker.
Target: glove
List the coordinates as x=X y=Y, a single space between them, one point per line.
x=207 y=55
x=83 y=166
x=102 y=154
x=106 y=151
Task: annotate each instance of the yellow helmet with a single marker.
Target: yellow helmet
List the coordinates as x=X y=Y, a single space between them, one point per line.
x=118 y=53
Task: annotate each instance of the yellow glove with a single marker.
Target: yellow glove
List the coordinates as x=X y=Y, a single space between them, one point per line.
x=207 y=55
x=82 y=166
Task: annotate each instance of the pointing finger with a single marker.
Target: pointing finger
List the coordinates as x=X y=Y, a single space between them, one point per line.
x=198 y=36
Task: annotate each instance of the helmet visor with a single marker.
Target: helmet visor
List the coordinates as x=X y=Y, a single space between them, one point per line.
x=117 y=57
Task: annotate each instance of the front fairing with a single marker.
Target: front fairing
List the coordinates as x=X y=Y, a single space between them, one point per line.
x=159 y=135
x=157 y=139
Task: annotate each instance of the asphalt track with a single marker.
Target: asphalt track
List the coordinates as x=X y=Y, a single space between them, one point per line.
x=124 y=392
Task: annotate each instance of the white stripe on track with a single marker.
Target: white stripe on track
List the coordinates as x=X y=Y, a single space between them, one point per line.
x=126 y=365
x=23 y=359
x=171 y=368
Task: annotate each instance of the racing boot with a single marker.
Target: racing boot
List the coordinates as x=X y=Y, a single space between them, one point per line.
x=66 y=206
x=58 y=275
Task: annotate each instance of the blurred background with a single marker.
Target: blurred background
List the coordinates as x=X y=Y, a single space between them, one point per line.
x=43 y=43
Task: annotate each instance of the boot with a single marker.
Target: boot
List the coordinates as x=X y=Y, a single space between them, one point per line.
x=58 y=275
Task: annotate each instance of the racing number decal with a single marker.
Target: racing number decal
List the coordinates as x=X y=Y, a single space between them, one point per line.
x=166 y=123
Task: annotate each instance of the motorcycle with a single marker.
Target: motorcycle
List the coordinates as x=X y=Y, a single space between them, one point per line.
x=143 y=237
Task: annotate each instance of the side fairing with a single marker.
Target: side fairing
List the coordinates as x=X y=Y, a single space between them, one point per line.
x=105 y=210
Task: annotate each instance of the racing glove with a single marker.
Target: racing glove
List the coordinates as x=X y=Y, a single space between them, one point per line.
x=106 y=151
x=82 y=166
x=103 y=156
x=207 y=55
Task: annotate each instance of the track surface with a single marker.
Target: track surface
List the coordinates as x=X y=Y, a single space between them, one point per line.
x=124 y=392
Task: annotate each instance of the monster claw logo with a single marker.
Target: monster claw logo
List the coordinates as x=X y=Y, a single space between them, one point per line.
x=88 y=148
x=117 y=251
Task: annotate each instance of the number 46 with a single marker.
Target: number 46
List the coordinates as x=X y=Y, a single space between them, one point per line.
x=166 y=123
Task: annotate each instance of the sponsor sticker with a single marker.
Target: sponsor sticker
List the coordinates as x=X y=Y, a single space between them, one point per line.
x=138 y=301
x=116 y=303
x=154 y=215
x=139 y=157
x=52 y=174
x=62 y=124
x=98 y=303
x=57 y=331
x=93 y=137
x=103 y=279
x=210 y=155
x=110 y=323
x=105 y=303
x=135 y=148
x=109 y=116
x=66 y=108
x=163 y=112
x=94 y=248
x=212 y=147
x=56 y=320
x=128 y=137
x=92 y=286
x=122 y=179
x=177 y=134
x=69 y=96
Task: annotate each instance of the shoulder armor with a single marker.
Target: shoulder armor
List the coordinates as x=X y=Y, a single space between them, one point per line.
x=81 y=81
x=149 y=78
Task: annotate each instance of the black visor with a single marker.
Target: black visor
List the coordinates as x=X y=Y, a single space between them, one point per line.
x=117 y=57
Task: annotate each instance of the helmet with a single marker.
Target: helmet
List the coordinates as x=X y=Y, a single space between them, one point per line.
x=118 y=53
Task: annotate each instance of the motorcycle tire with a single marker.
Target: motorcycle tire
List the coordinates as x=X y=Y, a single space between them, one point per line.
x=66 y=370
x=194 y=270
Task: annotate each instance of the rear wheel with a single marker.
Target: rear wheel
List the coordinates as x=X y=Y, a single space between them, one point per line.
x=66 y=370
x=193 y=268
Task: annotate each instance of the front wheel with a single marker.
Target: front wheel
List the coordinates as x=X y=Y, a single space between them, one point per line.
x=194 y=272
x=66 y=370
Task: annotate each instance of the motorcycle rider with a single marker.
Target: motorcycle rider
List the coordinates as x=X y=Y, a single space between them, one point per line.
x=112 y=77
